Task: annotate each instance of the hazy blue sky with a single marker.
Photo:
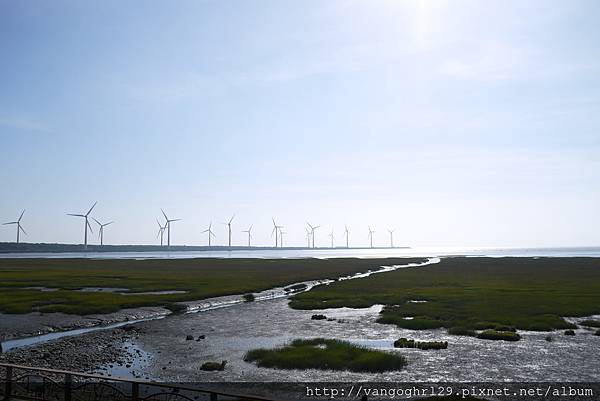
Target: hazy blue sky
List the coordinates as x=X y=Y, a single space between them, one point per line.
x=456 y=122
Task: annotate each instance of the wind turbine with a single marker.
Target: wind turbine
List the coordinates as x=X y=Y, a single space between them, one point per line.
x=101 y=232
x=209 y=231
x=371 y=235
x=307 y=238
x=276 y=228
x=249 y=231
x=229 y=227
x=312 y=233
x=281 y=236
x=346 y=232
x=161 y=231
x=168 y=224
x=87 y=223
x=18 y=223
x=331 y=235
x=391 y=237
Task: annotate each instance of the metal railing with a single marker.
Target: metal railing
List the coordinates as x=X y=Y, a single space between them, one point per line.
x=42 y=384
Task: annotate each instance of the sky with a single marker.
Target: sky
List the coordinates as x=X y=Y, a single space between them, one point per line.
x=456 y=123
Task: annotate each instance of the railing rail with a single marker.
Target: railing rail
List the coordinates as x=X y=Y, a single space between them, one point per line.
x=12 y=384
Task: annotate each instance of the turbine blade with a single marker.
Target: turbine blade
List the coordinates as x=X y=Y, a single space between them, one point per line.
x=107 y=224
x=89 y=226
x=21 y=228
x=90 y=211
x=231 y=219
x=20 y=217
x=251 y=225
x=100 y=224
x=76 y=215
x=12 y=222
x=164 y=214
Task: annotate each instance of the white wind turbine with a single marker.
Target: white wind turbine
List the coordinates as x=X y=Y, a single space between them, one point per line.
x=87 y=223
x=391 y=237
x=210 y=232
x=18 y=224
x=371 y=232
x=161 y=231
x=307 y=237
x=276 y=230
x=346 y=233
x=281 y=233
x=168 y=223
x=249 y=231
x=228 y=224
x=101 y=230
x=312 y=233
x=331 y=234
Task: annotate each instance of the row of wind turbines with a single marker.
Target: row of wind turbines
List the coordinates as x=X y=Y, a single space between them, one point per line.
x=277 y=231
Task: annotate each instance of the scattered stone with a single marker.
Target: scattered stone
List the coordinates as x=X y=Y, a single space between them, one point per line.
x=569 y=333
x=213 y=366
x=189 y=337
x=318 y=317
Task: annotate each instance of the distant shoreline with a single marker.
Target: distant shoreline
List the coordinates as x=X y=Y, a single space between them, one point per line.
x=11 y=247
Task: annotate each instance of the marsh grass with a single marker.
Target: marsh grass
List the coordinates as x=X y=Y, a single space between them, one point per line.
x=324 y=354
x=590 y=323
x=501 y=294
x=498 y=335
x=423 y=345
x=201 y=278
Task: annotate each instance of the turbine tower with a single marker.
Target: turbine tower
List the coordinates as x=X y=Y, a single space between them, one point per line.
x=168 y=224
x=210 y=232
x=371 y=232
x=307 y=238
x=101 y=231
x=332 y=236
x=228 y=224
x=391 y=237
x=281 y=236
x=346 y=232
x=161 y=231
x=18 y=223
x=87 y=223
x=276 y=229
x=249 y=231
x=312 y=233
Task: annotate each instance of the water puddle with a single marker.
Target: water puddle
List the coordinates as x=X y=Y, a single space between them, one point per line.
x=133 y=366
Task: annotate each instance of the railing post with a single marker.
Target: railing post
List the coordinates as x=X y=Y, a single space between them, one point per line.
x=135 y=391
x=213 y=396
x=8 y=383
x=68 y=381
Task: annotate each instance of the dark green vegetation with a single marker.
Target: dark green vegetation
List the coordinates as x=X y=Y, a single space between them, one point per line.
x=326 y=354
x=590 y=323
x=499 y=335
x=461 y=331
x=201 y=278
x=249 y=297
x=424 y=345
x=473 y=294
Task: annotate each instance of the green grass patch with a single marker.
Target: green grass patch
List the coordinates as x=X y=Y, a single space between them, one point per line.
x=501 y=294
x=326 y=354
x=462 y=331
x=590 y=323
x=499 y=335
x=201 y=278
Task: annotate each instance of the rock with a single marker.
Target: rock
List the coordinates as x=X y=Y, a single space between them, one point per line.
x=318 y=317
x=213 y=366
x=189 y=337
x=569 y=333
